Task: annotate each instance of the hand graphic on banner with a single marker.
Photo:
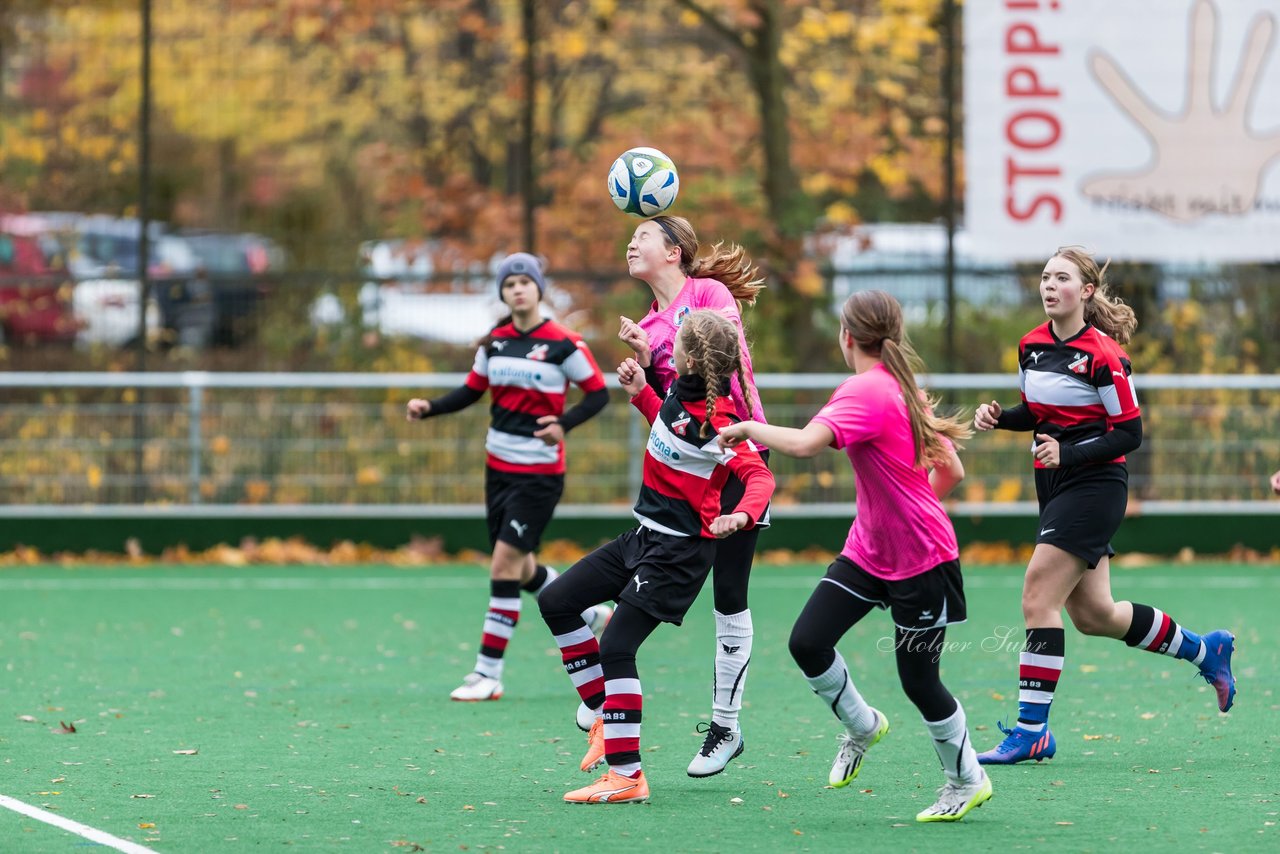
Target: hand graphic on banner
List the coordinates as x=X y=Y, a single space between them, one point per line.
x=1205 y=161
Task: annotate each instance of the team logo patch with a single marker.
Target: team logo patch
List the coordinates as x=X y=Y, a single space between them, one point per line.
x=538 y=353
x=684 y=312
x=1080 y=364
x=1034 y=356
x=681 y=424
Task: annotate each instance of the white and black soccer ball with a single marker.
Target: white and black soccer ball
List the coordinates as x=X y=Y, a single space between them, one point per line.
x=643 y=182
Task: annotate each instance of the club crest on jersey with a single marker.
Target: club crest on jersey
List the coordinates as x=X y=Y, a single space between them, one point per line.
x=684 y=312
x=538 y=353
x=1080 y=364
x=681 y=424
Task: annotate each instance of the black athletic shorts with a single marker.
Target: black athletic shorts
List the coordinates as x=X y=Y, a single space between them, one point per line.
x=655 y=572
x=930 y=600
x=1081 y=508
x=520 y=506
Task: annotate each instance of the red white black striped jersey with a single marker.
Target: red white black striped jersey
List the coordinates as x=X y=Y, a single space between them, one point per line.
x=527 y=375
x=1077 y=388
x=684 y=473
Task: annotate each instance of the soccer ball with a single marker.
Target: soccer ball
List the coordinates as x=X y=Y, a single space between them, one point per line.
x=643 y=182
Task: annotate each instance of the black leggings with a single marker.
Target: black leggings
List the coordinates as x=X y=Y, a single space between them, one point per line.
x=830 y=612
x=731 y=572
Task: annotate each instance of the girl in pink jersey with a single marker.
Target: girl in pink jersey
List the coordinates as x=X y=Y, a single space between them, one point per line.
x=663 y=253
x=1078 y=400
x=526 y=364
x=901 y=551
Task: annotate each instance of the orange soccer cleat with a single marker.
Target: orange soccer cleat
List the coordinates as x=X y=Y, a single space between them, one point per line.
x=612 y=788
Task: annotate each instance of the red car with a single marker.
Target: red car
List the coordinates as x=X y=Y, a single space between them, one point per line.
x=35 y=299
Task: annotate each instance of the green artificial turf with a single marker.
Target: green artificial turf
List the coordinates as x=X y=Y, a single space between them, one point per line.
x=316 y=701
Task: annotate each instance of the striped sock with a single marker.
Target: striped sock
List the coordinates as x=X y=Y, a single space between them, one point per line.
x=499 y=626
x=623 y=705
x=580 y=652
x=1155 y=631
x=1039 y=667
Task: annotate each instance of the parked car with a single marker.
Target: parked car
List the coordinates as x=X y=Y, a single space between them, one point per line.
x=233 y=276
x=403 y=295
x=35 y=299
x=104 y=260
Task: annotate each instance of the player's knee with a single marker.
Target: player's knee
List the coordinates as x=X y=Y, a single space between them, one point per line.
x=1090 y=620
x=812 y=654
x=553 y=603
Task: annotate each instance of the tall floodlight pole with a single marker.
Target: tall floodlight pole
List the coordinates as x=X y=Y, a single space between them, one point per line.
x=144 y=249
x=949 y=174
x=527 y=190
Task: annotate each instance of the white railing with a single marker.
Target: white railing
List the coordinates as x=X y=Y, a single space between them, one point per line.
x=202 y=443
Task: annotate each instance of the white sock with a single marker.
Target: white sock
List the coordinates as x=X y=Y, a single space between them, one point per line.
x=733 y=655
x=951 y=740
x=836 y=690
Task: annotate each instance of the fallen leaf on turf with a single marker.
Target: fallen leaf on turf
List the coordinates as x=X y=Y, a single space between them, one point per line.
x=783 y=794
x=58 y=780
x=735 y=800
x=66 y=729
x=995 y=695
x=142 y=796
x=865 y=791
x=146 y=824
x=404 y=843
x=27 y=719
x=1153 y=770
x=1092 y=737
x=422 y=800
x=191 y=752
x=1146 y=716
x=1088 y=668
x=797 y=831
x=468 y=808
x=242 y=806
x=1063 y=823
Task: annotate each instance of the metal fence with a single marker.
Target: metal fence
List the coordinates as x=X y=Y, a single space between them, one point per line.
x=226 y=440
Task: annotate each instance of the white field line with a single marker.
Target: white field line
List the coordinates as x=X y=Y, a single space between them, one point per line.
x=1120 y=579
x=82 y=830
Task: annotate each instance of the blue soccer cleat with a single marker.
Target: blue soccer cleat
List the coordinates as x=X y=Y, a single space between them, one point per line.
x=1020 y=745
x=1216 y=666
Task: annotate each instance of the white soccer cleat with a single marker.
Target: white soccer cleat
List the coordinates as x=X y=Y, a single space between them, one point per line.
x=720 y=747
x=956 y=799
x=600 y=618
x=476 y=687
x=585 y=717
x=852 y=748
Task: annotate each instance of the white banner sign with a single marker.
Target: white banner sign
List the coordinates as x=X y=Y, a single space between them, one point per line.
x=1142 y=129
